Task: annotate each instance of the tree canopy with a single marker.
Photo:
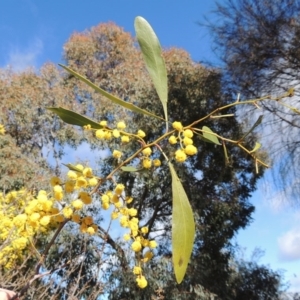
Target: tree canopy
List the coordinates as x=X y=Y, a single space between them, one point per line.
x=258 y=43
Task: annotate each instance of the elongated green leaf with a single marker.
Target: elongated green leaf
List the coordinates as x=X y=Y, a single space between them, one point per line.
x=74 y=118
x=183 y=227
x=225 y=153
x=209 y=136
x=73 y=168
x=154 y=61
x=129 y=169
x=258 y=121
x=111 y=97
x=256 y=147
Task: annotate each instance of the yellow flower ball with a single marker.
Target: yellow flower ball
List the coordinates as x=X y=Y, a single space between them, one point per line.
x=81 y=182
x=114 y=215
x=117 y=154
x=121 y=125
x=132 y=212
x=107 y=135
x=93 y=181
x=87 y=172
x=147 y=163
x=141 y=134
x=103 y=123
x=187 y=141
x=76 y=218
x=67 y=212
x=126 y=237
x=125 y=139
x=100 y=134
x=72 y=175
x=141 y=282
x=147 y=256
x=69 y=186
x=45 y=220
x=128 y=199
x=105 y=199
x=177 y=125
x=157 y=163
x=105 y=206
x=188 y=133
x=136 y=246
x=190 y=150
x=116 y=133
x=144 y=230
x=147 y=151
x=88 y=220
x=80 y=167
x=90 y=230
x=180 y=156
x=152 y=244
x=55 y=181
x=172 y=140
x=119 y=189
x=85 y=197
x=77 y=204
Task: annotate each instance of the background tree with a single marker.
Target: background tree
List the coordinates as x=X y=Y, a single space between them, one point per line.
x=219 y=193
x=258 y=43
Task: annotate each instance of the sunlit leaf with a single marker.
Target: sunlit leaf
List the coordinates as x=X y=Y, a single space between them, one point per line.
x=74 y=118
x=183 y=227
x=154 y=61
x=256 y=147
x=209 y=136
x=73 y=168
x=114 y=99
x=129 y=169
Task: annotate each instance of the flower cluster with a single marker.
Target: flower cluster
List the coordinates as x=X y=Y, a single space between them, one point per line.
x=25 y=215
x=184 y=137
x=128 y=219
x=106 y=134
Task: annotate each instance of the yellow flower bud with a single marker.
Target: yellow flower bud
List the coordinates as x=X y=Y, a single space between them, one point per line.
x=103 y=123
x=141 y=134
x=90 y=230
x=121 y=125
x=55 y=181
x=85 y=197
x=141 y=282
x=147 y=163
x=152 y=244
x=117 y=154
x=116 y=133
x=177 y=125
x=87 y=172
x=77 y=204
x=147 y=151
x=100 y=134
x=180 y=156
x=187 y=141
x=125 y=139
x=156 y=162
x=172 y=140
x=136 y=246
x=67 y=212
x=190 y=150
x=188 y=133
x=126 y=237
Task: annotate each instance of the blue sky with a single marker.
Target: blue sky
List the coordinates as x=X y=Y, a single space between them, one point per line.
x=33 y=32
